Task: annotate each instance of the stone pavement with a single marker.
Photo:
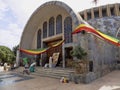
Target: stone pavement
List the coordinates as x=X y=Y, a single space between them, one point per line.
x=17 y=81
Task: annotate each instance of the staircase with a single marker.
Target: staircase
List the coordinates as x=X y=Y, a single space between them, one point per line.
x=53 y=72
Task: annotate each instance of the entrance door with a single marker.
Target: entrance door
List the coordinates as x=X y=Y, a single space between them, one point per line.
x=38 y=60
x=68 y=57
x=55 y=50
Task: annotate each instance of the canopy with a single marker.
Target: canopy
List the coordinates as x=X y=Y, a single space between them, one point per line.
x=41 y=50
x=90 y=29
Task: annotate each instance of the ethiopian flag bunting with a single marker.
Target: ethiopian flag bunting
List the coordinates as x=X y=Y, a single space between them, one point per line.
x=34 y=52
x=90 y=29
x=41 y=50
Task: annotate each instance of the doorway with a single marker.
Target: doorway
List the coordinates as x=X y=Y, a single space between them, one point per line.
x=68 y=57
x=51 y=51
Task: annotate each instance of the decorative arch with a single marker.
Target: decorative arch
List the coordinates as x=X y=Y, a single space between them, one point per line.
x=58 y=24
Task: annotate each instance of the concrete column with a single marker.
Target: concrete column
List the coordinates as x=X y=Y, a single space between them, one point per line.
x=41 y=38
x=18 y=58
x=85 y=15
x=48 y=28
x=92 y=13
x=100 y=12
x=54 y=26
x=63 y=56
x=63 y=52
x=108 y=10
x=116 y=9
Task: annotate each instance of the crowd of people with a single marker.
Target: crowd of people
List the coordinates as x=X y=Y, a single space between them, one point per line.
x=7 y=66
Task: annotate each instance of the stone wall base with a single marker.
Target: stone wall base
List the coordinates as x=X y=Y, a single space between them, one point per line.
x=91 y=76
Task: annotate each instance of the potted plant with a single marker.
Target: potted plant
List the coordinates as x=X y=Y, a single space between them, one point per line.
x=80 y=62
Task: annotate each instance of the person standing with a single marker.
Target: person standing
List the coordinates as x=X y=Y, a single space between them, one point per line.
x=5 y=66
x=26 y=69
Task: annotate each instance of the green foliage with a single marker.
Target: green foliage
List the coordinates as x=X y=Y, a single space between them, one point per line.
x=14 y=49
x=6 y=55
x=78 y=52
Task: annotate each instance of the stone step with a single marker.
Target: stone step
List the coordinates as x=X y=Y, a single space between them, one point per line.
x=50 y=72
x=50 y=75
x=54 y=72
x=59 y=72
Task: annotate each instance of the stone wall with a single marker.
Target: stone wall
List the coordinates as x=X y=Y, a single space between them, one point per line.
x=105 y=54
x=102 y=53
x=108 y=25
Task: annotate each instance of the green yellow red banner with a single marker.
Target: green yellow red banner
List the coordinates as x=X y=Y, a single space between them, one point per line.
x=34 y=52
x=90 y=29
x=40 y=51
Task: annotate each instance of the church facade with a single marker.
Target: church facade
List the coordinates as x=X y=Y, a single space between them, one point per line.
x=55 y=21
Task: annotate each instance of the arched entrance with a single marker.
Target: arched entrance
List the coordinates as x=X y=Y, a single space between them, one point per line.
x=49 y=27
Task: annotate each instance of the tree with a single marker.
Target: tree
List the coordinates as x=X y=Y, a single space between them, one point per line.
x=79 y=52
x=6 y=55
x=14 y=49
x=80 y=64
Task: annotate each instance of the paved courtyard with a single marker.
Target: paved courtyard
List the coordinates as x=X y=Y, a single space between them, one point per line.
x=17 y=81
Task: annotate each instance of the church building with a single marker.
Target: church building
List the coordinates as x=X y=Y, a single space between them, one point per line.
x=55 y=21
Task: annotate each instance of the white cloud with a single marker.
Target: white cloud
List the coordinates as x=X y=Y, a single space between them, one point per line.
x=22 y=10
x=3 y=8
x=11 y=36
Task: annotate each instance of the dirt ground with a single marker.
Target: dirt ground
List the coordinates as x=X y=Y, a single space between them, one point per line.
x=109 y=82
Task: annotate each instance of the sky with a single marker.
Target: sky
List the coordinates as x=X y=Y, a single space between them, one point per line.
x=14 y=15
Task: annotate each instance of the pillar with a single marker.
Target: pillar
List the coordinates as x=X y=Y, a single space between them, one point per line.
x=63 y=56
x=17 y=58
x=100 y=12
x=85 y=15
x=92 y=13
x=108 y=10
x=117 y=9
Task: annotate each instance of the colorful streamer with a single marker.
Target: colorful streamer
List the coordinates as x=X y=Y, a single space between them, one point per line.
x=88 y=28
x=34 y=52
x=40 y=51
x=59 y=43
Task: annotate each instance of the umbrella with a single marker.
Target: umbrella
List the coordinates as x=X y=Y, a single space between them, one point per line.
x=34 y=63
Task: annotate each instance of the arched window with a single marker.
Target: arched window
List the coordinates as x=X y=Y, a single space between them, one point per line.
x=44 y=29
x=59 y=24
x=51 y=26
x=39 y=39
x=68 y=29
